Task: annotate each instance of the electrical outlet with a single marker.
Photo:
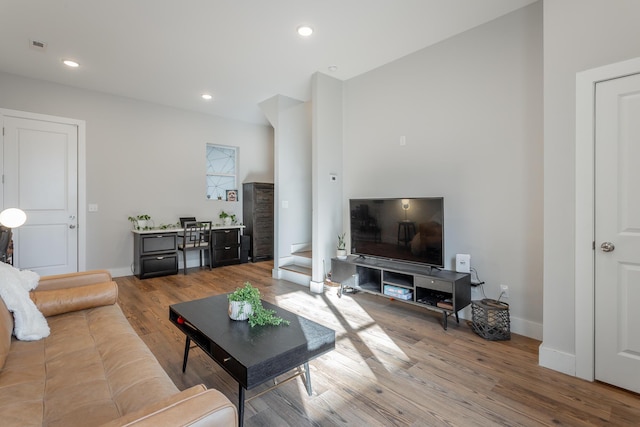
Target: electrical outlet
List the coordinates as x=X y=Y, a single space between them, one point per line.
x=504 y=291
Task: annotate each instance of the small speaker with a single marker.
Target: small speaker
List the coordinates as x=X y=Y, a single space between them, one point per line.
x=463 y=263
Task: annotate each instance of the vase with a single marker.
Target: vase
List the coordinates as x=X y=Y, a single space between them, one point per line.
x=341 y=254
x=239 y=310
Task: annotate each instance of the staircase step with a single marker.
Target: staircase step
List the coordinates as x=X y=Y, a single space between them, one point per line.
x=297 y=269
x=303 y=254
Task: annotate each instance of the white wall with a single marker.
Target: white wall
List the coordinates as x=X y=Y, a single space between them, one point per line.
x=578 y=35
x=327 y=144
x=291 y=121
x=142 y=158
x=471 y=111
x=294 y=177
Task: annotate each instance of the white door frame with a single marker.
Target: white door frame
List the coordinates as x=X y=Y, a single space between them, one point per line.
x=585 y=205
x=82 y=173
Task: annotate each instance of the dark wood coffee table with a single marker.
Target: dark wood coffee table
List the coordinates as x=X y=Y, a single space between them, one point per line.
x=255 y=355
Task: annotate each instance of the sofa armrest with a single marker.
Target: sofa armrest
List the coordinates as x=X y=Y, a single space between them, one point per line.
x=195 y=406
x=71 y=280
x=65 y=300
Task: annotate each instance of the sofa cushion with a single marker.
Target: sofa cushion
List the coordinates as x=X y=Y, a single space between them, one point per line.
x=72 y=280
x=93 y=367
x=58 y=301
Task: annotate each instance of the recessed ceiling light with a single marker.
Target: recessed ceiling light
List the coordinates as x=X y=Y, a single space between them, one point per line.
x=206 y=96
x=305 y=30
x=332 y=68
x=70 y=63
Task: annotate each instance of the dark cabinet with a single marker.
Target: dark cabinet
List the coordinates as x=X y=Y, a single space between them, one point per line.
x=445 y=291
x=155 y=254
x=225 y=246
x=257 y=215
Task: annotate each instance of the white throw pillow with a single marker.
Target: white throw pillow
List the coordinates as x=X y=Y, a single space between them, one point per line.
x=29 y=279
x=29 y=323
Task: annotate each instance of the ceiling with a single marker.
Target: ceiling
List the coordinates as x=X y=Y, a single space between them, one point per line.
x=170 y=52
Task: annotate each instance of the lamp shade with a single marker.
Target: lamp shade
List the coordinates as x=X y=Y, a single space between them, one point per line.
x=12 y=217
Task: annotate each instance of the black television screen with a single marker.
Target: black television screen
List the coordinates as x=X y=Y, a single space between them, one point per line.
x=400 y=229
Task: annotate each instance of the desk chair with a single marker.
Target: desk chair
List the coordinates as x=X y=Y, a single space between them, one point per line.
x=195 y=237
x=184 y=219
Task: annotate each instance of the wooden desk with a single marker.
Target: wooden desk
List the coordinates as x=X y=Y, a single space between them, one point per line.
x=155 y=251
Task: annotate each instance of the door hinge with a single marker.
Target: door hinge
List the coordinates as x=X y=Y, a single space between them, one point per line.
x=593 y=245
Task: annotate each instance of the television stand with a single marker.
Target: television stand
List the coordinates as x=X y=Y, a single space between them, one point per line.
x=443 y=291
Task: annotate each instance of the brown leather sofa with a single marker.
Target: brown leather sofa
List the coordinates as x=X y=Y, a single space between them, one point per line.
x=93 y=369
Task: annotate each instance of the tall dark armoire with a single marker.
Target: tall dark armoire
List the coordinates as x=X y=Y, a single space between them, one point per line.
x=257 y=214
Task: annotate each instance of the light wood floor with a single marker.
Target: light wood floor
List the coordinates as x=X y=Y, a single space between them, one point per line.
x=393 y=364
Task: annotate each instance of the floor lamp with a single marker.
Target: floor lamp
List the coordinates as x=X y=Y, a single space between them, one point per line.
x=9 y=219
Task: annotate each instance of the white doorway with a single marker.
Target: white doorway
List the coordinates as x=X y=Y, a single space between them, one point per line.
x=42 y=176
x=617 y=232
x=608 y=211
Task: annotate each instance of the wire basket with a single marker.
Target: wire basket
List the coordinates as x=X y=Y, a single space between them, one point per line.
x=491 y=319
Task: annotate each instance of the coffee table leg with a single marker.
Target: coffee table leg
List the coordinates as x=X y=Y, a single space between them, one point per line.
x=240 y=405
x=186 y=354
x=307 y=377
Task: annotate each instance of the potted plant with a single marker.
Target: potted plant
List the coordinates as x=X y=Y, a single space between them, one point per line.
x=341 y=251
x=227 y=218
x=244 y=303
x=141 y=222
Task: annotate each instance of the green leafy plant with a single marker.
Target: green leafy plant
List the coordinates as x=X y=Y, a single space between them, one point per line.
x=135 y=220
x=260 y=316
x=341 y=243
x=231 y=216
x=168 y=226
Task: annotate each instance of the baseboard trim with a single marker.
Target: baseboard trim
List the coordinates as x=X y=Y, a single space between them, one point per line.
x=316 y=287
x=121 y=271
x=557 y=360
x=527 y=328
x=517 y=325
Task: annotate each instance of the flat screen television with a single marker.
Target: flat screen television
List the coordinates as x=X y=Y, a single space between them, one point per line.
x=409 y=229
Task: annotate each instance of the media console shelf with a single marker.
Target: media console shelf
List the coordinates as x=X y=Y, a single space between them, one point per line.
x=440 y=290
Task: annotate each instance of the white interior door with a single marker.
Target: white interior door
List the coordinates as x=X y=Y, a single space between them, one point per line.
x=617 y=232
x=40 y=162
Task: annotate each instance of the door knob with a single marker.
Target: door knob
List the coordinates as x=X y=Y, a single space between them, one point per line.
x=607 y=247
x=72 y=226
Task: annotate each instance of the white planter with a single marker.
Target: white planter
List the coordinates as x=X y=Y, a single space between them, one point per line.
x=239 y=310
x=341 y=254
x=226 y=221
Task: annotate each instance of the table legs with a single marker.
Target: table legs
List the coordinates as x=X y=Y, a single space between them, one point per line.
x=445 y=315
x=187 y=344
x=241 y=390
x=307 y=378
x=240 y=405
